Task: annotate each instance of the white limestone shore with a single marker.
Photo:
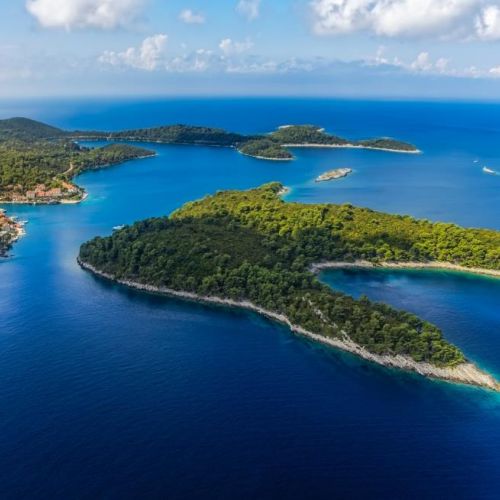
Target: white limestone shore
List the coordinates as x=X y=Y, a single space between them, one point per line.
x=351 y=146
x=465 y=373
x=364 y=264
x=265 y=157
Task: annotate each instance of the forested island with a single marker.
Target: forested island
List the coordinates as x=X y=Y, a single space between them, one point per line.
x=310 y=136
x=37 y=162
x=272 y=146
x=251 y=249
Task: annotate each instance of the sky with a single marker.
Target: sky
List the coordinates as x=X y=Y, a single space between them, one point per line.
x=341 y=48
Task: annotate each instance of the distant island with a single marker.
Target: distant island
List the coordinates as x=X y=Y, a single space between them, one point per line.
x=310 y=136
x=272 y=146
x=39 y=161
x=251 y=249
x=334 y=174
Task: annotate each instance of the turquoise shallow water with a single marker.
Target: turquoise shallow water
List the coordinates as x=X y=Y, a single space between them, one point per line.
x=112 y=393
x=468 y=305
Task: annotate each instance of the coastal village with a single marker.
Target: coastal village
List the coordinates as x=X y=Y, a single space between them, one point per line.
x=42 y=194
x=10 y=231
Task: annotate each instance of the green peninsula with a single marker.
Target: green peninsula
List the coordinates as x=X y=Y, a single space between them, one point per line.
x=37 y=162
x=251 y=249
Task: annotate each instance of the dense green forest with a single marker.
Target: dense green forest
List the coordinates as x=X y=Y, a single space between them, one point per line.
x=305 y=134
x=386 y=143
x=265 y=148
x=182 y=134
x=33 y=154
x=24 y=129
x=250 y=245
x=269 y=146
x=310 y=134
x=345 y=232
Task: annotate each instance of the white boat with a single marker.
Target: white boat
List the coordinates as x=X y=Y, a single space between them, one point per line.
x=117 y=228
x=487 y=170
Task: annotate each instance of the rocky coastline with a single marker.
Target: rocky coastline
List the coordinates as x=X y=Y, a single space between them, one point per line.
x=465 y=373
x=352 y=146
x=10 y=231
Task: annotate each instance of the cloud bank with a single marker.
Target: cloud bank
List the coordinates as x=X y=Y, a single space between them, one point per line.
x=444 y=19
x=70 y=14
x=235 y=56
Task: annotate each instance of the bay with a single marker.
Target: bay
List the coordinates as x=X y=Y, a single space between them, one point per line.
x=113 y=393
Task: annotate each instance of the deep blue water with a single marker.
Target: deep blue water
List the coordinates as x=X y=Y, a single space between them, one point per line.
x=111 y=393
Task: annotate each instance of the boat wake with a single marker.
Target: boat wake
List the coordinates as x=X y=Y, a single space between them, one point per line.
x=490 y=171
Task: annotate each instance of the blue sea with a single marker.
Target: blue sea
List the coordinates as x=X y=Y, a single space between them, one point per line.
x=111 y=393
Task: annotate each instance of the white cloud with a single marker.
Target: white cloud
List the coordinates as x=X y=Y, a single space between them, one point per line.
x=189 y=17
x=231 y=47
x=68 y=14
x=409 y=18
x=340 y=16
x=488 y=23
x=422 y=62
x=233 y=58
x=249 y=8
x=149 y=56
x=421 y=17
